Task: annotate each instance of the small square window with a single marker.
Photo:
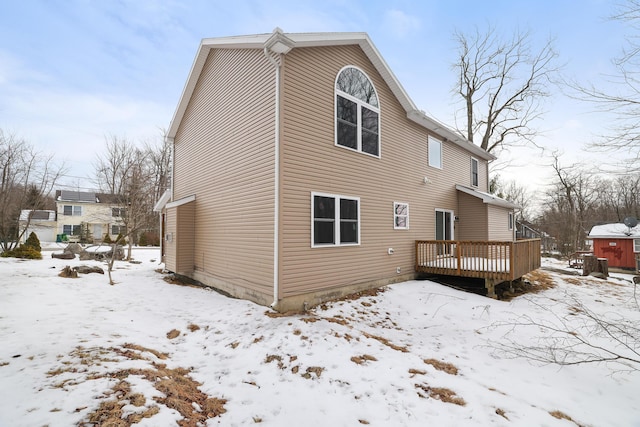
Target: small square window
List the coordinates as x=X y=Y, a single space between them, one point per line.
x=400 y=216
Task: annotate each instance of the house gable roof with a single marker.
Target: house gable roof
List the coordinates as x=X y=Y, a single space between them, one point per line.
x=75 y=196
x=614 y=231
x=301 y=40
x=487 y=198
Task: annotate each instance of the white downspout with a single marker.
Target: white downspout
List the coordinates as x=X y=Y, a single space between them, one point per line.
x=276 y=209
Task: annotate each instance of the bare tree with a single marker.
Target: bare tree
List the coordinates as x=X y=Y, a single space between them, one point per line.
x=622 y=98
x=572 y=334
x=570 y=205
x=501 y=82
x=27 y=177
x=513 y=192
x=126 y=172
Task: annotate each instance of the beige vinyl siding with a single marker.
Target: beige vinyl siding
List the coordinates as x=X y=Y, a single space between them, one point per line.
x=170 y=247
x=224 y=155
x=312 y=163
x=472 y=218
x=499 y=224
x=185 y=238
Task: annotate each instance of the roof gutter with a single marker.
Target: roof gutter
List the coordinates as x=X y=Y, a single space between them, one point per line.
x=276 y=46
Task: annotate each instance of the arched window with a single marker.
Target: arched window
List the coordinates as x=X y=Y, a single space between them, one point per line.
x=357 y=112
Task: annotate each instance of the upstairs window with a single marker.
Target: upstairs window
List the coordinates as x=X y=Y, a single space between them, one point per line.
x=72 y=210
x=474 y=172
x=357 y=112
x=435 y=152
x=117 y=212
x=636 y=245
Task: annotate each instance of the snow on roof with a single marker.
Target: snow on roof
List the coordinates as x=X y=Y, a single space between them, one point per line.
x=617 y=230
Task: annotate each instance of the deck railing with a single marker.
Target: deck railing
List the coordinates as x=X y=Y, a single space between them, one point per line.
x=499 y=261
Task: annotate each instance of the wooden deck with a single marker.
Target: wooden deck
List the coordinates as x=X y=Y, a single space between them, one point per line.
x=494 y=261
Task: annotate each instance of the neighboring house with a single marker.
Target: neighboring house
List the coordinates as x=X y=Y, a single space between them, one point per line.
x=41 y=222
x=526 y=230
x=618 y=243
x=302 y=171
x=96 y=213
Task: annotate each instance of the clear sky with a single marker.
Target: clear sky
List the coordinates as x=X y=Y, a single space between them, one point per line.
x=73 y=71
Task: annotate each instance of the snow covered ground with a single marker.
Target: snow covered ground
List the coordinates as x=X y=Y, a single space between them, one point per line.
x=75 y=350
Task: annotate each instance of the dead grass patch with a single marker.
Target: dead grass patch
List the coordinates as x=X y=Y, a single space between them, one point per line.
x=442 y=366
x=361 y=360
x=501 y=413
x=531 y=283
x=415 y=372
x=363 y=421
x=274 y=357
x=3 y=364
x=180 y=391
x=562 y=416
x=386 y=342
x=174 y=333
x=134 y=347
x=275 y=314
x=443 y=394
x=193 y=327
x=574 y=281
x=316 y=370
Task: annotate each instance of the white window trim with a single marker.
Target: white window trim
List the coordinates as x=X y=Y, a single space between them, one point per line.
x=429 y=140
x=636 y=245
x=395 y=215
x=73 y=210
x=360 y=103
x=511 y=220
x=336 y=230
x=473 y=159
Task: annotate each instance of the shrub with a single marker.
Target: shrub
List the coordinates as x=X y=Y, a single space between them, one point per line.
x=121 y=240
x=149 y=238
x=23 y=251
x=107 y=239
x=33 y=242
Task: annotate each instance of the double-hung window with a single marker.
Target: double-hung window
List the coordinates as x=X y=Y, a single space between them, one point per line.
x=474 y=172
x=118 y=229
x=71 y=230
x=636 y=245
x=117 y=212
x=357 y=112
x=335 y=220
x=72 y=210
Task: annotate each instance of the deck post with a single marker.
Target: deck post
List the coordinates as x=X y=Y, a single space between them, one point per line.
x=490 y=286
